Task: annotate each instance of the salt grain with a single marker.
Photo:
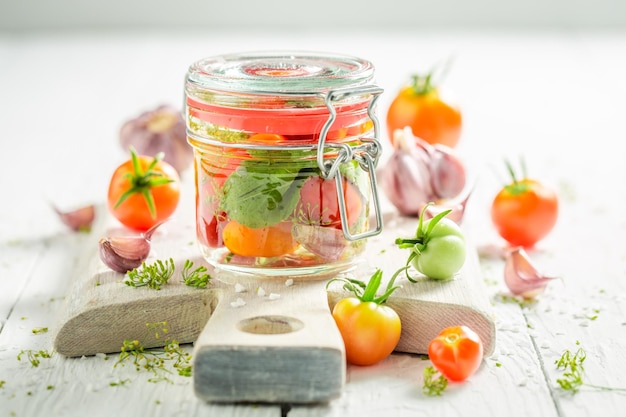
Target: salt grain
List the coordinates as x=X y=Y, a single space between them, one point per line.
x=238 y=303
x=289 y=282
x=274 y=296
x=239 y=288
x=260 y=292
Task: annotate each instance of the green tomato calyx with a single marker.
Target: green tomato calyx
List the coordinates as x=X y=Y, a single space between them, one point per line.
x=422 y=85
x=518 y=185
x=142 y=181
x=423 y=234
x=368 y=292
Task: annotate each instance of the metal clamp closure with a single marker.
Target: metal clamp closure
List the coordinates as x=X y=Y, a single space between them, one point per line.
x=367 y=160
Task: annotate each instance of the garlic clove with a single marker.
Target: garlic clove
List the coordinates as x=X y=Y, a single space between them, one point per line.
x=124 y=253
x=79 y=220
x=328 y=243
x=448 y=172
x=521 y=276
x=457 y=204
x=406 y=177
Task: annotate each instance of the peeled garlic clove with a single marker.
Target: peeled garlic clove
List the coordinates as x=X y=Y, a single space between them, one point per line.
x=521 y=276
x=79 y=220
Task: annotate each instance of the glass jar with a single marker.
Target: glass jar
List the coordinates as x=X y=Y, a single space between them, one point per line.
x=285 y=149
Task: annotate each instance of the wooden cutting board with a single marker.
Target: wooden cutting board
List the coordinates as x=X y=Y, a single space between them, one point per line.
x=259 y=339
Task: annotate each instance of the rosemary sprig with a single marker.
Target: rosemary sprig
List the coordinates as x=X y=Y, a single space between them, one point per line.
x=154 y=275
x=195 y=278
x=434 y=382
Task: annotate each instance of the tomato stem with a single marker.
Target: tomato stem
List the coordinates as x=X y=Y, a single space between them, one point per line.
x=142 y=182
x=419 y=242
x=367 y=292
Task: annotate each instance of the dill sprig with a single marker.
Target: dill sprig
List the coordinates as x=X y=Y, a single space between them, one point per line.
x=573 y=371
x=434 y=382
x=198 y=277
x=152 y=275
x=39 y=330
x=156 y=360
x=35 y=356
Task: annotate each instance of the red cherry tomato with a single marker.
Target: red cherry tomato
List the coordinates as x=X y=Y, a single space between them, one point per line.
x=524 y=211
x=143 y=191
x=319 y=204
x=456 y=352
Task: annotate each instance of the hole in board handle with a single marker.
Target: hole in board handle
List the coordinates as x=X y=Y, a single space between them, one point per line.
x=270 y=325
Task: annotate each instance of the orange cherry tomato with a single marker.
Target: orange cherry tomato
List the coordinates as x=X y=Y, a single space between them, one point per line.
x=143 y=191
x=370 y=331
x=456 y=352
x=524 y=211
x=420 y=107
x=263 y=242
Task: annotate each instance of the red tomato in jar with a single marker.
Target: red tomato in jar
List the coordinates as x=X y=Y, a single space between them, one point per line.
x=456 y=352
x=143 y=191
x=319 y=204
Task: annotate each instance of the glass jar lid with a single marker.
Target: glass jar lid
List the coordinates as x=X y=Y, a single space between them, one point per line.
x=285 y=93
x=279 y=72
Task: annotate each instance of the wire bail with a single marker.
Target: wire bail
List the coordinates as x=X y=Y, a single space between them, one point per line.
x=367 y=160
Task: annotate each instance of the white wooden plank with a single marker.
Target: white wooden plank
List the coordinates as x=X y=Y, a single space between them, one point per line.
x=544 y=95
x=60 y=386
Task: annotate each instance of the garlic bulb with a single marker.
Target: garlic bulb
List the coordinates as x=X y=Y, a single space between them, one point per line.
x=160 y=130
x=125 y=253
x=419 y=173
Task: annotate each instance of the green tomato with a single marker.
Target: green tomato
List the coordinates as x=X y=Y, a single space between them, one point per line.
x=443 y=252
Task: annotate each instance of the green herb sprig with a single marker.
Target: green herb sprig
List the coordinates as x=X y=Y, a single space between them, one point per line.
x=155 y=360
x=39 y=330
x=35 y=356
x=434 y=382
x=573 y=372
x=198 y=277
x=152 y=275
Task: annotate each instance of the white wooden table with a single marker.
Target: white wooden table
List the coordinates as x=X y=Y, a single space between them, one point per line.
x=555 y=98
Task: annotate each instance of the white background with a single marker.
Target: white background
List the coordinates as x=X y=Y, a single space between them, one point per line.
x=301 y=15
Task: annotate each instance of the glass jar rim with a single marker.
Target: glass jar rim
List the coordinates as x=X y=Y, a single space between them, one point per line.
x=279 y=72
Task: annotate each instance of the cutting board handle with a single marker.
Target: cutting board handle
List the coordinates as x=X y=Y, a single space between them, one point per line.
x=270 y=342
